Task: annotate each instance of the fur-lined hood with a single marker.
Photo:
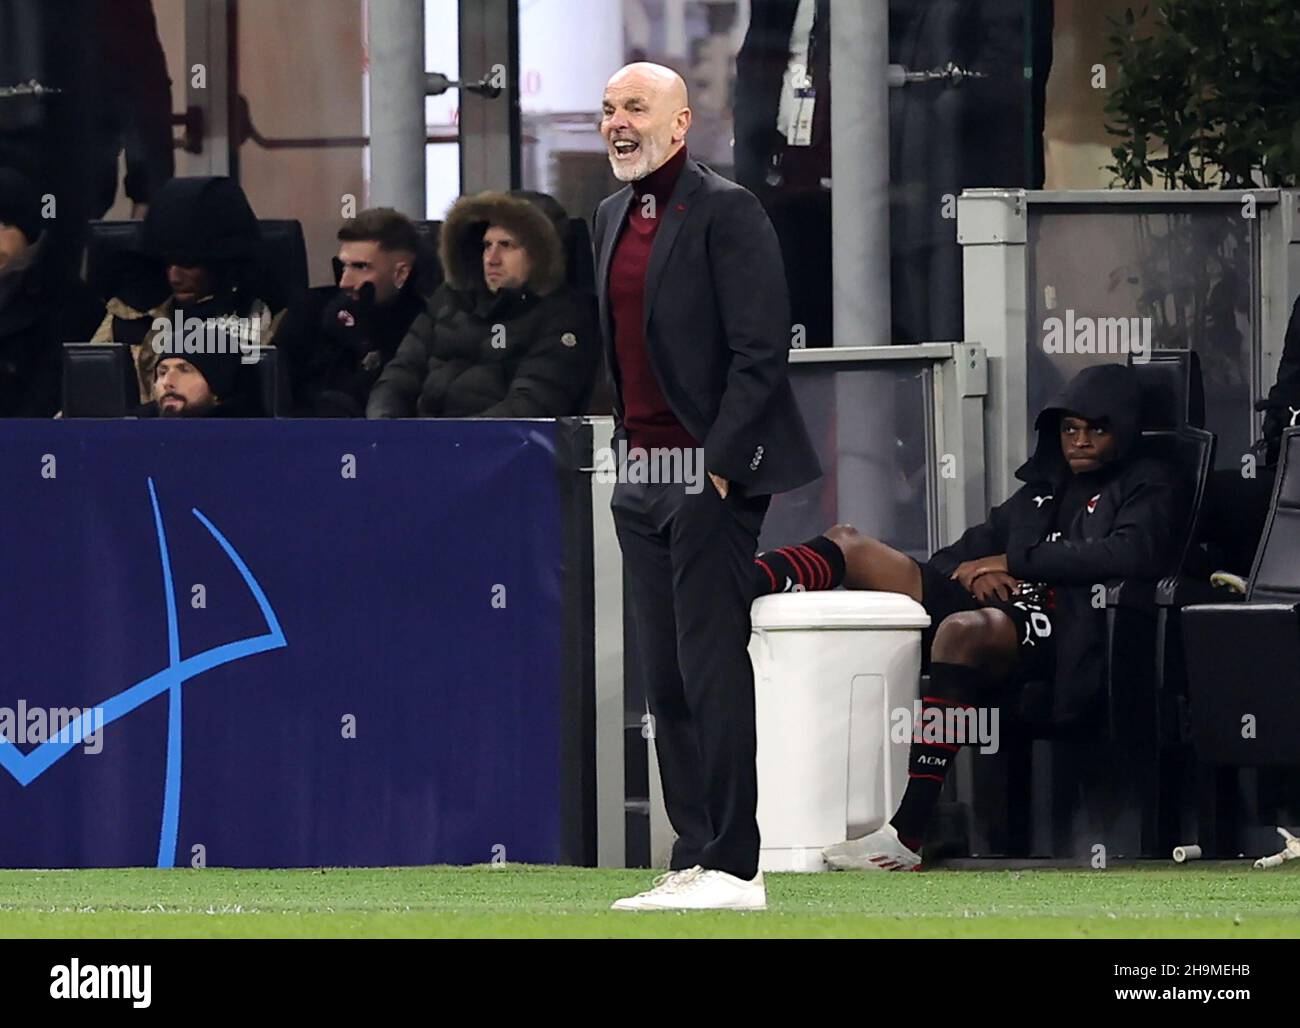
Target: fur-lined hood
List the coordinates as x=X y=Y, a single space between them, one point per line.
x=461 y=243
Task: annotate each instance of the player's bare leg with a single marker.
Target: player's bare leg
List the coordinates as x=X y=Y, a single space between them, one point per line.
x=871 y=564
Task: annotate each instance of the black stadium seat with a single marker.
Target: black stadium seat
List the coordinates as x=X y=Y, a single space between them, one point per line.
x=115 y=265
x=273 y=383
x=432 y=275
x=1244 y=658
x=98 y=380
x=283 y=262
x=1173 y=392
x=1243 y=674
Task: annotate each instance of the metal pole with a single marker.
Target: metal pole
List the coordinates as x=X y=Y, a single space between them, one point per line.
x=860 y=171
x=395 y=31
x=864 y=412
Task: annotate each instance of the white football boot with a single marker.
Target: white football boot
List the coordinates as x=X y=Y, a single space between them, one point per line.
x=882 y=850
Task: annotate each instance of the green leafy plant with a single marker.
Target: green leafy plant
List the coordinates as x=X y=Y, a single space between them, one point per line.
x=1208 y=94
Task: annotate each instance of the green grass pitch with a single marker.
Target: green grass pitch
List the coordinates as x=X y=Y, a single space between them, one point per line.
x=1163 y=901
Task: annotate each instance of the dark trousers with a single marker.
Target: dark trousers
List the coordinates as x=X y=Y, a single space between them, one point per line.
x=688 y=582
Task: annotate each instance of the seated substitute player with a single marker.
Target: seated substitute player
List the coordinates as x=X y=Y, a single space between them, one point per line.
x=1012 y=599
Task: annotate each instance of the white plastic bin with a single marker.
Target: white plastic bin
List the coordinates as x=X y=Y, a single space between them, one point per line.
x=831 y=672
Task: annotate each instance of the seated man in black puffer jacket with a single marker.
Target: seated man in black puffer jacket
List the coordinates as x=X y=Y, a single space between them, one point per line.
x=503 y=336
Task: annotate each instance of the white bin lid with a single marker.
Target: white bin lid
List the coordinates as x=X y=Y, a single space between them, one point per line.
x=837 y=608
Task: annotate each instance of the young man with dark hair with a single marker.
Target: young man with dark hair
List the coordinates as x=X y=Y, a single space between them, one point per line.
x=339 y=338
x=1012 y=599
x=387 y=232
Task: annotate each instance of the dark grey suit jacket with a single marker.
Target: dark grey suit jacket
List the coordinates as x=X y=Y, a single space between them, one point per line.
x=717 y=328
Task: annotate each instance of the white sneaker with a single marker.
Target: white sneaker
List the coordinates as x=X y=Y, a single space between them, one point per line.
x=662 y=886
x=698 y=889
x=882 y=850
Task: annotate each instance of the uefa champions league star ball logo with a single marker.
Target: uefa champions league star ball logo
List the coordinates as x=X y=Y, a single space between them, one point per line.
x=27 y=767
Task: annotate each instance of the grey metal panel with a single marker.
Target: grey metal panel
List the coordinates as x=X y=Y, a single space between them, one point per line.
x=1151 y=196
x=834 y=354
x=608 y=564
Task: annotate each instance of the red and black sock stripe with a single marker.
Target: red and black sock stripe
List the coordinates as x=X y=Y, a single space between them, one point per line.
x=952 y=687
x=814 y=565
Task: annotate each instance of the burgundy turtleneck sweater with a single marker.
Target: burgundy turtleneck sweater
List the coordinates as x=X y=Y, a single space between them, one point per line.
x=649 y=420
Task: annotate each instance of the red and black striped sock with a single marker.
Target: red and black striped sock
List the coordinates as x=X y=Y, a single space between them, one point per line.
x=816 y=564
x=952 y=687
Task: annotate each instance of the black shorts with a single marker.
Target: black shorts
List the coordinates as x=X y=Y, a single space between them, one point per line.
x=1031 y=611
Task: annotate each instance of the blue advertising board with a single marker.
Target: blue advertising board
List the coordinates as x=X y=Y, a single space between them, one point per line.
x=282 y=644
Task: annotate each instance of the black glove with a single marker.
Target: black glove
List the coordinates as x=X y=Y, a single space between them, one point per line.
x=348 y=322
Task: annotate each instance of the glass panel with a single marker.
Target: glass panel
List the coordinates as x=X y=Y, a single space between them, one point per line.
x=735 y=105
x=741 y=61
x=307 y=85
x=303 y=78
x=1187 y=273
x=945 y=137
x=868 y=424
x=563 y=153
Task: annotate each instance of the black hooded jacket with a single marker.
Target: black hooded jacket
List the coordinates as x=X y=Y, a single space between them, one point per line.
x=1073 y=532
x=337 y=347
x=41 y=308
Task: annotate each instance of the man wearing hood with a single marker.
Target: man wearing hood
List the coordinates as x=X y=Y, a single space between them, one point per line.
x=503 y=336
x=199 y=261
x=1012 y=600
x=41 y=305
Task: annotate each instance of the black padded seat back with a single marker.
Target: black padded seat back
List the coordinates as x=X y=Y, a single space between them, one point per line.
x=1173 y=393
x=579 y=257
x=431 y=273
x=117 y=266
x=282 y=263
x=1276 y=574
x=1191 y=451
x=268 y=381
x=98 y=380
